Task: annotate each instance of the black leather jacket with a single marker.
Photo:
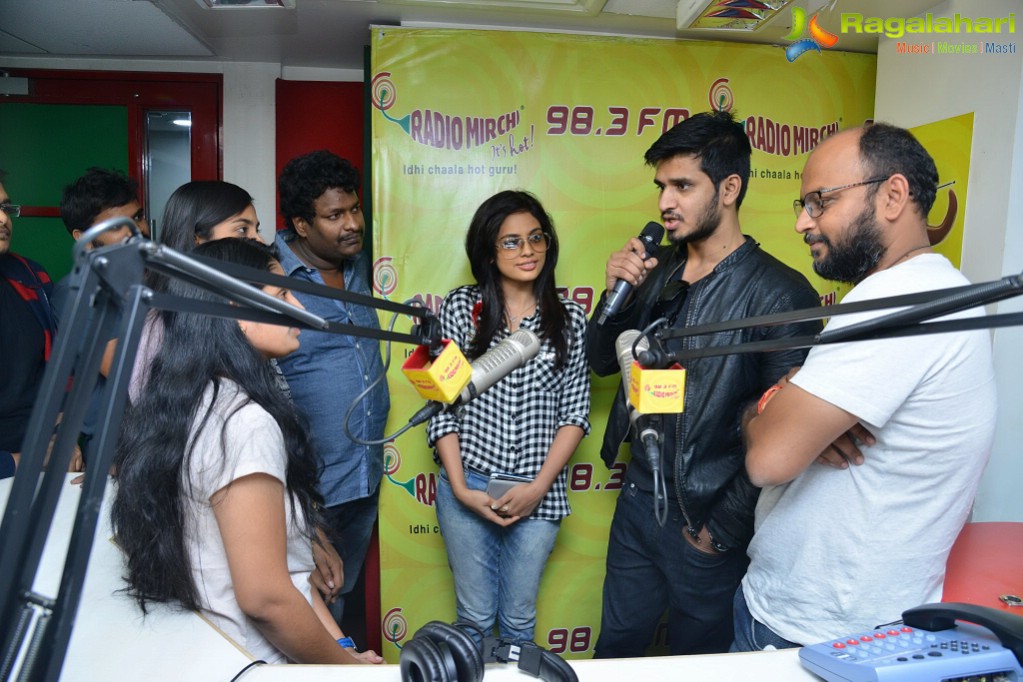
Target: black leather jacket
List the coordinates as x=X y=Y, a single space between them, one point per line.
x=709 y=474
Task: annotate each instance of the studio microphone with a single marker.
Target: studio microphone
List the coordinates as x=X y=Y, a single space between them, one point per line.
x=650 y=236
x=494 y=365
x=437 y=369
x=644 y=425
x=623 y=347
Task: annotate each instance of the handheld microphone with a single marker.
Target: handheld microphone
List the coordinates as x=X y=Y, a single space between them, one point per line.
x=650 y=236
x=494 y=365
x=644 y=425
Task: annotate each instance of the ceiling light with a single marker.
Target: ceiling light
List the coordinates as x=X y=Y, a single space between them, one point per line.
x=582 y=7
x=734 y=15
x=10 y=85
x=246 y=4
x=183 y=122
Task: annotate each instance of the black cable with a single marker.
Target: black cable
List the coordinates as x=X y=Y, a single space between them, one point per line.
x=246 y=669
x=359 y=398
x=655 y=348
x=421 y=416
x=652 y=449
x=660 y=494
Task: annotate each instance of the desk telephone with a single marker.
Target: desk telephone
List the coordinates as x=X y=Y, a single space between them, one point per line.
x=928 y=645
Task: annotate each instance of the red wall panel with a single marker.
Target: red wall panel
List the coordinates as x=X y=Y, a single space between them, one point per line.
x=315 y=115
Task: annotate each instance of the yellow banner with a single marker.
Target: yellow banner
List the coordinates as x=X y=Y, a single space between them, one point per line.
x=950 y=143
x=460 y=115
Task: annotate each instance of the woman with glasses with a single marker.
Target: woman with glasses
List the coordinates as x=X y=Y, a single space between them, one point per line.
x=528 y=424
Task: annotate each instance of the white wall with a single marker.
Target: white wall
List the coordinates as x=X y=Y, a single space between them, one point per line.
x=249 y=113
x=999 y=498
x=913 y=89
x=249 y=132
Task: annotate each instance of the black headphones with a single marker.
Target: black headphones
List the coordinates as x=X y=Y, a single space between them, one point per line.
x=439 y=652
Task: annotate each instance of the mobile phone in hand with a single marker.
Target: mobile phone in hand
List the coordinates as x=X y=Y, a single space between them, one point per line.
x=500 y=483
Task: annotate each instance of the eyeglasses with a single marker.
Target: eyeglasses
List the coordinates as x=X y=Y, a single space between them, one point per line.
x=12 y=210
x=510 y=247
x=815 y=206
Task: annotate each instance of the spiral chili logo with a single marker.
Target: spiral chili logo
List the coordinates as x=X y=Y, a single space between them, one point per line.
x=720 y=95
x=392 y=458
x=394 y=627
x=383 y=92
x=385 y=277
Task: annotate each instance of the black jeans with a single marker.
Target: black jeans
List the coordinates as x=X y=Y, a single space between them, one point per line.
x=650 y=567
x=350 y=526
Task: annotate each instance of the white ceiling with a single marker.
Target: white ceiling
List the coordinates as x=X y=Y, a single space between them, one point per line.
x=332 y=33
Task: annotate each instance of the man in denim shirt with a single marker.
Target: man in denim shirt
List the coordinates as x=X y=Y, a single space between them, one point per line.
x=323 y=244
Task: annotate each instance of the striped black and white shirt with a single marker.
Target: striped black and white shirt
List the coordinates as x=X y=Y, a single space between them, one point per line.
x=511 y=426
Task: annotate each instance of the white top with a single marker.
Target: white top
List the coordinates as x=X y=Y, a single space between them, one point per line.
x=838 y=551
x=111 y=637
x=254 y=444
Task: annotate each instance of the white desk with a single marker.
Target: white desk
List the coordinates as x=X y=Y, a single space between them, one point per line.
x=112 y=641
x=767 y=666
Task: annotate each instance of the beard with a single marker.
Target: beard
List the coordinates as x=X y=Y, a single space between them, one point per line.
x=859 y=252
x=706 y=225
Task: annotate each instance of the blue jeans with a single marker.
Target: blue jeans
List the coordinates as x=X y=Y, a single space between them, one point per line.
x=650 y=567
x=350 y=527
x=750 y=633
x=497 y=570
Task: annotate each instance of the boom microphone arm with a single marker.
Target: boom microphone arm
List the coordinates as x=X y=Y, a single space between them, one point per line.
x=108 y=301
x=910 y=321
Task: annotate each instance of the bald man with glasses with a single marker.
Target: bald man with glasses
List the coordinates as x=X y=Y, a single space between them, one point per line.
x=841 y=549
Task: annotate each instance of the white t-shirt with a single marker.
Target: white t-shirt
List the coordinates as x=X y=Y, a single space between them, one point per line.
x=837 y=551
x=254 y=444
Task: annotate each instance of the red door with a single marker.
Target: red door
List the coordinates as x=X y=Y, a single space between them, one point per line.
x=101 y=116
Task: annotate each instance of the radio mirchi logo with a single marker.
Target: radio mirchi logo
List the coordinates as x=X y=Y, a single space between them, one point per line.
x=441 y=130
x=819 y=38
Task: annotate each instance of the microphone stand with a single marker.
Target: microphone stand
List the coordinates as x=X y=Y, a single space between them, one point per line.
x=910 y=321
x=108 y=302
x=906 y=322
x=648 y=428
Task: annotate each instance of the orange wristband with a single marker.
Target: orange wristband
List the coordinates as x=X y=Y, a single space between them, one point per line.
x=764 y=399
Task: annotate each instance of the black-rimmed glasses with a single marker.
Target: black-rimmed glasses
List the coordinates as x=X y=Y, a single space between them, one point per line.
x=511 y=247
x=12 y=210
x=813 y=203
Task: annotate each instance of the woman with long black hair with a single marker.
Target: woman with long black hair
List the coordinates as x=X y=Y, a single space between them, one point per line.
x=528 y=424
x=207 y=210
x=216 y=506
x=196 y=212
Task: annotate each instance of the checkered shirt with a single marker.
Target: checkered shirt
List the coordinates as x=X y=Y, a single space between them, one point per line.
x=510 y=427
